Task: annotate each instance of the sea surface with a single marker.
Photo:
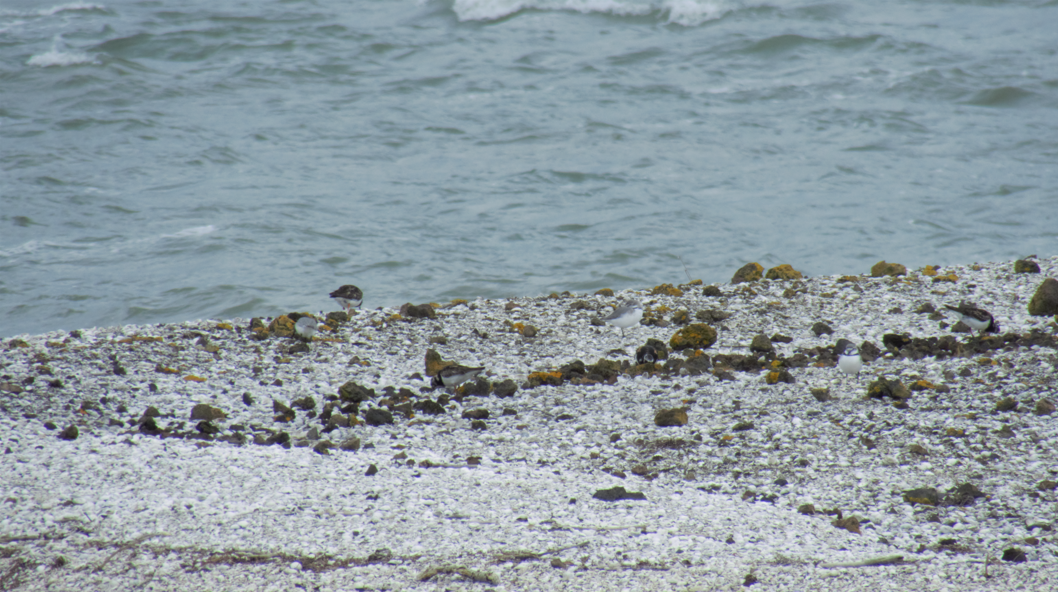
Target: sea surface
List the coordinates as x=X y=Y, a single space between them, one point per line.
x=163 y=161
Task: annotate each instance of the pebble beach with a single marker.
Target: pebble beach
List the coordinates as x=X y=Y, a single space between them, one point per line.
x=224 y=454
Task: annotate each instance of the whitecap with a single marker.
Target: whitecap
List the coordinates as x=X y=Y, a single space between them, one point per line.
x=58 y=57
x=687 y=13
x=194 y=231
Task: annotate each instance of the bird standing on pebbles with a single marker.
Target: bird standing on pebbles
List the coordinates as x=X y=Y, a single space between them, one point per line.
x=849 y=360
x=305 y=328
x=454 y=375
x=626 y=315
x=349 y=297
x=978 y=319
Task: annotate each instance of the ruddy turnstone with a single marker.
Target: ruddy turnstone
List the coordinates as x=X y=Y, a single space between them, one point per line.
x=646 y=355
x=626 y=315
x=454 y=375
x=978 y=319
x=305 y=328
x=849 y=360
x=349 y=297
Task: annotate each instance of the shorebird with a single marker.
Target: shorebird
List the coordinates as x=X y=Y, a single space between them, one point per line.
x=646 y=355
x=305 y=328
x=977 y=318
x=454 y=375
x=626 y=315
x=349 y=297
x=849 y=360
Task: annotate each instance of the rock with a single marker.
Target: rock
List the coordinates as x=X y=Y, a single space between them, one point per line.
x=1026 y=266
x=70 y=433
x=428 y=407
x=962 y=495
x=434 y=363
x=281 y=326
x=282 y=438
x=670 y=417
x=851 y=524
x=743 y=426
x=681 y=317
x=781 y=375
x=666 y=290
x=806 y=509
x=1044 y=407
x=417 y=311
x=353 y=393
x=923 y=495
x=247 y=399
x=505 y=388
x=749 y=272
x=350 y=444
x=617 y=493
x=283 y=414
x=371 y=470
x=605 y=369
x=695 y=336
x=821 y=328
x=207 y=428
x=712 y=315
x=895 y=341
x=1045 y=301
x=536 y=379
x=323 y=447
x=479 y=387
x=478 y=424
x=480 y=413
x=206 y=412
x=761 y=344
x=1007 y=404
x=1014 y=555
x=884 y=387
x=882 y=269
x=821 y=394
x=604 y=292
x=712 y=291
x=376 y=416
x=783 y=272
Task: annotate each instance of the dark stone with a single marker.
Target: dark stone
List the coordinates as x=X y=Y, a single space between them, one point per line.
x=478 y=424
x=281 y=438
x=670 y=417
x=923 y=495
x=371 y=470
x=505 y=388
x=354 y=393
x=150 y=427
x=895 y=341
x=206 y=412
x=780 y=338
x=418 y=311
x=963 y=494
x=1007 y=404
x=1015 y=555
x=1026 y=266
x=247 y=399
x=617 y=493
x=712 y=291
x=428 y=407
x=821 y=328
x=695 y=365
x=822 y=394
x=304 y=403
x=70 y=433
x=1045 y=301
x=207 y=428
x=480 y=413
x=926 y=308
x=712 y=316
x=869 y=352
x=884 y=387
x=761 y=344
x=376 y=416
x=479 y=387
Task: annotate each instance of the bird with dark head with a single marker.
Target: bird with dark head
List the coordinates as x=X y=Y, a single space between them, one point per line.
x=453 y=375
x=977 y=319
x=349 y=297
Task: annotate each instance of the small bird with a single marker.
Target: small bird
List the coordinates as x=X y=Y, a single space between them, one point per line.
x=978 y=319
x=626 y=315
x=349 y=297
x=849 y=360
x=646 y=355
x=305 y=328
x=454 y=375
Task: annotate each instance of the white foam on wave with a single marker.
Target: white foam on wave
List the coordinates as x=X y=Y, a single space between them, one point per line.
x=59 y=57
x=192 y=232
x=687 y=13
x=54 y=10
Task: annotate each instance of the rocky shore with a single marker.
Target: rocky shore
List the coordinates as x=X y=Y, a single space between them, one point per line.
x=228 y=454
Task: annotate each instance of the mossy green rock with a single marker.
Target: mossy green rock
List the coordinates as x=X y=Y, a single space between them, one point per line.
x=1045 y=301
x=1026 y=266
x=783 y=272
x=696 y=336
x=882 y=269
x=749 y=272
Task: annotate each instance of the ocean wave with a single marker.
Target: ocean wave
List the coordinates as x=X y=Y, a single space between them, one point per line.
x=688 y=13
x=54 y=10
x=59 y=57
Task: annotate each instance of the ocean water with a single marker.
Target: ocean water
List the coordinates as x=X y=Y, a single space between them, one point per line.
x=163 y=161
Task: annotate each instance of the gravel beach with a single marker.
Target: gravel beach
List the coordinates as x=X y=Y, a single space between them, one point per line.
x=222 y=454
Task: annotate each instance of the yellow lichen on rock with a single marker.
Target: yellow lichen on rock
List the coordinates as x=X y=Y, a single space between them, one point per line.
x=951 y=277
x=697 y=335
x=549 y=378
x=666 y=290
x=193 y=378
x=749 y=272
x=929 y=270
x=604 y=292
x=225 y=326
x=783 y=272
x=882 y=269
x=281 y=326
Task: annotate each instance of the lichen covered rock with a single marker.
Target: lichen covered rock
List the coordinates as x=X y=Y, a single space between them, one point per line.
x=695 y=336
x=882 y=269
x=749 y=272
x=1045 y=301
x=783 y=272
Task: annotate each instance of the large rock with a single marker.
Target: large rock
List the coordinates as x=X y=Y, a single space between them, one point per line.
x=882 y=269
x=418 y=311
x=783 y=272
x=749 y=272
x=281 y=326
x=696 y=336
x=1045 y=301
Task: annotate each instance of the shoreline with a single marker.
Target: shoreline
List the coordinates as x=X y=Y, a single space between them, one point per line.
x=182 y=496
